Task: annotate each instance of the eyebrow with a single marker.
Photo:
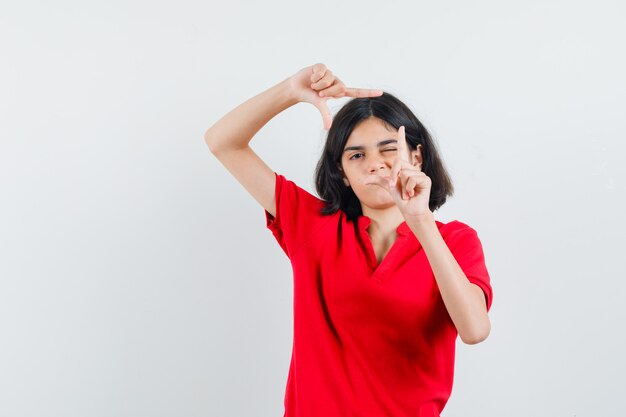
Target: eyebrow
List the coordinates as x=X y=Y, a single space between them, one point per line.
x=361 y=147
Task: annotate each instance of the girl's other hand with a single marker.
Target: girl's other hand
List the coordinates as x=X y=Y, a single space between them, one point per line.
x=316 y=84
x=408 y=185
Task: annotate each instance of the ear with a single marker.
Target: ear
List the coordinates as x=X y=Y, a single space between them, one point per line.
x=416 y=156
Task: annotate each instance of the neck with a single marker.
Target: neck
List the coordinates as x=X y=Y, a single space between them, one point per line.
x=384 y=222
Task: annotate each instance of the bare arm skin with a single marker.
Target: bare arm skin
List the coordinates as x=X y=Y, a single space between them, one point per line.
x=228 y=139
x=465 y=301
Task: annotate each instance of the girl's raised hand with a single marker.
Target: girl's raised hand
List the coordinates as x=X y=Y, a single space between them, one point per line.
x=316 y=84
x=408 y=185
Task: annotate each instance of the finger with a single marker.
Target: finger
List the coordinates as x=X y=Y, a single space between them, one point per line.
x=316 y=76
x=402 y=168
x=398 y=166
x=363 y=92
x=327 y=80
x=336 y=90
x=395 y=171
x=403 y=146
x=317 y=72
x=411 y=184
x=327 y=116
x=405 y=176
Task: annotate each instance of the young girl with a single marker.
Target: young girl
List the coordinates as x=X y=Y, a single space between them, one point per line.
x=381 y=288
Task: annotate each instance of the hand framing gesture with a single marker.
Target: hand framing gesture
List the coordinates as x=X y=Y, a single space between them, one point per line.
x=316 y=84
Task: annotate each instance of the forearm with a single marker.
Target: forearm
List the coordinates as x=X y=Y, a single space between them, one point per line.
x=464 y=302
x=236 y=129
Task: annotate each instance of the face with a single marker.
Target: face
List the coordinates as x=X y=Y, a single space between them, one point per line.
x=370 y=150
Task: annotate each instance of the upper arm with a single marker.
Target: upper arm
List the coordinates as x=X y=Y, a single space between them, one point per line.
x=251 y=172
x=479 y=294
x=485 y=327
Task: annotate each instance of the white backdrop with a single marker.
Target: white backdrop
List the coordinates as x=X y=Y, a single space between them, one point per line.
x=137 y=277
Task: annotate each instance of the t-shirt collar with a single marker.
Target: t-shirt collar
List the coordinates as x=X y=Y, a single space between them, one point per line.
x=402 y=230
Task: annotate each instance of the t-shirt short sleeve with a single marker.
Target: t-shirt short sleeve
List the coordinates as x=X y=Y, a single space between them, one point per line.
x=298 y=215
x=468 y=252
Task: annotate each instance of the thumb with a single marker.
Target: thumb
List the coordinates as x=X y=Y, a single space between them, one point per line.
x=327 y=117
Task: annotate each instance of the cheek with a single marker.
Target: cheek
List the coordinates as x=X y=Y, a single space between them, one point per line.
x=349 y=173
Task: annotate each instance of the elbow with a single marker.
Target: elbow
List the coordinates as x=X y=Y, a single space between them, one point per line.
x=218 y=145
x=210 y=141
x=477 y=335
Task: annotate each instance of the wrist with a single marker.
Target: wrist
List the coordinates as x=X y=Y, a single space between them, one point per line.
x=288 y=92
x=421 y=221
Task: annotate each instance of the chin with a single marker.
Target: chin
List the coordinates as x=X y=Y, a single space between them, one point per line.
x=375 y=199
x=378 y=204
x=378 y=200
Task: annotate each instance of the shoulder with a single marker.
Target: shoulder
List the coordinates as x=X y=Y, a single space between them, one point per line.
x=455 y=231
x=288 y=189
x=454 y=227
x=297 y=209
x=298 y=215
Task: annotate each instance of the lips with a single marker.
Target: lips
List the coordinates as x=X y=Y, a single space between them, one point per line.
x=370 y=180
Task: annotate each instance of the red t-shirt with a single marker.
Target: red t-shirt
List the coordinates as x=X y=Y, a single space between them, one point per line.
x=369 y=340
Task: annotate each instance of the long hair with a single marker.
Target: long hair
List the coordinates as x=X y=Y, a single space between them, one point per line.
x=393 y=112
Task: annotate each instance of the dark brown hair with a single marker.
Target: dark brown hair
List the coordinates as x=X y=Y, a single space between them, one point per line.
x=393 y=112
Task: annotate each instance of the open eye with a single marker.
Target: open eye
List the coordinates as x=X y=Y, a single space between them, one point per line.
x=353 y=156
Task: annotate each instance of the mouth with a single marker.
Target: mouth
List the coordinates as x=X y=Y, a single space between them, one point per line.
x=371 y=181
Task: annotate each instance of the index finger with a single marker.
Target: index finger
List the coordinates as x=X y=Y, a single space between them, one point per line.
x=363 y=92
x=403 y=146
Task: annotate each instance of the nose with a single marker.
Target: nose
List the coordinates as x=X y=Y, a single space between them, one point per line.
x=376 y=164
